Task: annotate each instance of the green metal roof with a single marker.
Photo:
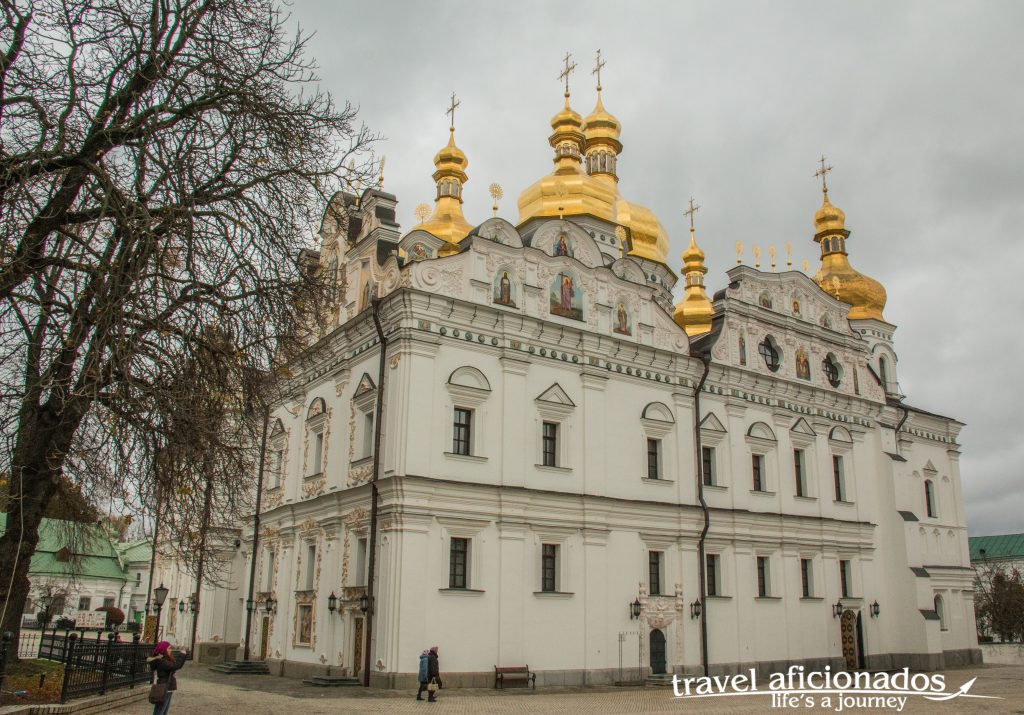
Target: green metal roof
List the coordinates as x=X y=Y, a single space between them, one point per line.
x=93 y=550
x=1003 y=546
x=134 y=551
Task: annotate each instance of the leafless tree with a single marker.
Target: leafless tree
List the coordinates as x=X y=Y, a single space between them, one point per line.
x=161 y=164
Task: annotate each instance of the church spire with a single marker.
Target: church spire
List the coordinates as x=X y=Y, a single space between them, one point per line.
x=601 y=133
x=567 y=136
x=447 y=221
x=694 y=311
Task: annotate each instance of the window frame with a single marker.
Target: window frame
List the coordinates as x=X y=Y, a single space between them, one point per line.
x=930 y=502
x=654 y=458
x=549 y=443
x=549 y=567
x=655 y=572
x=767 y=348
x=707 y=465
x=763 y=566
x=757 y=471
x=846 y=578
x=462 y=431
x=466 y=553
x=806 y=577
x=839 y=487
x=713 y=575
x=800 y=471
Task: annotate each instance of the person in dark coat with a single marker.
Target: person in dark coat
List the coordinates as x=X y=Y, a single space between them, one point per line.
x=433 y=673
x=422 y=676
x=164 y=665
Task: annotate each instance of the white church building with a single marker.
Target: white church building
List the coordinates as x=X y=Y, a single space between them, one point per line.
x=576 y=475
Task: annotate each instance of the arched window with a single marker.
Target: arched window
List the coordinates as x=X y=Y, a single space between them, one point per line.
x=883 y=372
x=769 y=350
x=929 y=497
x=940 y=611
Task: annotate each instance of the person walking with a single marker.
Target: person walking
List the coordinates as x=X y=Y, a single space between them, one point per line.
x=164 y=665
x=433 y=675
x=422 y=676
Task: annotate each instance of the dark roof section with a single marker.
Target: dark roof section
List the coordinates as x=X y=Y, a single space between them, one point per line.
x=920 y=572
x=909 y=516
x=896 y=457
x=385 y=249
x=930 y=615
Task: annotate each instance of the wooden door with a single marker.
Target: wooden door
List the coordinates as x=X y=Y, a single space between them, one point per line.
x=657 y=652
x=357 y=648
x=848 y=633
x=264 y=637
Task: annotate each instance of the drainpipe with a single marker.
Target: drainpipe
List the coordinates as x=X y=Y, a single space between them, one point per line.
x=373 y=491
x=706 y=358
x=250 y=605
x=906 y=414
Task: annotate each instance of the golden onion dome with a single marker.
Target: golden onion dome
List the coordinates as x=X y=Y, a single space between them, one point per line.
x=567 y=119
x=836 y=276
x=693 y=257
x=446 y=221
x=694 y=312
x=647 y=236
x=601 y=125
x=451 y=161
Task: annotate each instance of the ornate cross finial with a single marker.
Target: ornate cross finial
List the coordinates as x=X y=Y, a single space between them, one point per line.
x=422 y=212
x=597 y=69
x=772 y=253
x=739 y=252
x=496 y=194
x=451 y=110
x=789 y=255
x=821 y=172
x=380 y=173
x=620 y=236
x=806 y=265
x=694 y=208
x=569 y=68
x=757 y=257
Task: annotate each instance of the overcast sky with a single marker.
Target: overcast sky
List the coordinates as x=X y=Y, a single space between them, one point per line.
x=918 y=106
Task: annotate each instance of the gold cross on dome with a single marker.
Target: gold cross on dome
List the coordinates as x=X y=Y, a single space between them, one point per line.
x=821 y=172
x=694 y=208
x=451 y=110
x=597 y=69
x=569 y=68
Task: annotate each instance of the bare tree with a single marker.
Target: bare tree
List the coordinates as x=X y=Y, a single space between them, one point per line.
x=999 y=600
x=161 y=162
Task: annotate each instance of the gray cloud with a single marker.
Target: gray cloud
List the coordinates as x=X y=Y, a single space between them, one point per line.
x=918 y=106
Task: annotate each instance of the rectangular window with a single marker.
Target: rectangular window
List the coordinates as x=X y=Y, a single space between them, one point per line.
x=277 y=467
x=654 y=459
x=458 y=560
x=368 y=434
x=844 y=578
x=461 y=431
x=763 y=577
x=837 y=474
x=361 y=574
x=57 y=606
x=138 y=578
x=84 y=603
x=654 y=559
x=757 y=466
x=268 y=576
x=318 y=452
x=707 y=465
x=549 y=568
x=310 y=565
x=550 y=444
x=108 y=602
x=806 y=578
x=713 y=584
x=798 y=472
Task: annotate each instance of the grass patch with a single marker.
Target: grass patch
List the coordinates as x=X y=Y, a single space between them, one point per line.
x=40 y=679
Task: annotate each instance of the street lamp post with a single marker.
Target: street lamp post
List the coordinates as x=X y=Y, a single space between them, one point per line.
x=159 y=595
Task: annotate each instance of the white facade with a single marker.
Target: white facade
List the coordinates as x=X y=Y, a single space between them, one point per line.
x=560 y=535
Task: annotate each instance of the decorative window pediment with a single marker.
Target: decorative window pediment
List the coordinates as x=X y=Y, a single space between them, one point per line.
x=556 y=398
x=711 y=423
x=276 y=429
x=366 y=384
x=840 y=434
x=316 y=408
x=468 y=386
x=759 y=430
x=801 y=433
x=659 y=412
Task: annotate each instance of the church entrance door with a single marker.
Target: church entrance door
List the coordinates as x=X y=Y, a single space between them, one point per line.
x=264 y=637
x=657 y=652
x=848 y=635
x=357 y=648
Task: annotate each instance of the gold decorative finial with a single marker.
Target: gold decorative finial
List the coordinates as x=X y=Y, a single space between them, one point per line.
x=739 y=252
x=496 y=194
x=757 y=257
x=569 y=68
x=771 y=252
x=597 y=69
x=380 y=173
x=422 y=212
x=821 y=172
x=789 y=255
x=620 y=234
x=451 y=111
x=694 y=208
x=836 y=286
x=806 y=265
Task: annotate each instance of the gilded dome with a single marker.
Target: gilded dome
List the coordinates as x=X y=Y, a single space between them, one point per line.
x=451 y=161
x=447 y=222
x=836 y=276
x=648 y=237
x=601 y=126
x=693 y=313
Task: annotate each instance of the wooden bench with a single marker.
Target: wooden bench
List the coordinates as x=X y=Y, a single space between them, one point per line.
x=513 y=672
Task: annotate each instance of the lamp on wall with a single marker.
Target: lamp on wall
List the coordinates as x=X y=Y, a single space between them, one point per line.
x=270 y=605
x=250 y=605
x=695 y=609
x=192 y=604
x=634 y=610
x=364 y=603
x=875 y=609
x=837 y=609
x=332 y=602
x=181 y=606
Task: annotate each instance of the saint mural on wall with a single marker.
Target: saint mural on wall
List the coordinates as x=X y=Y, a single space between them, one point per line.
x=305 y=624
x=419 y=252
x=561 y=246
x=566 y=297
x=743 y=350
x=803 y=366
x=765 y=301
x=622 y=320
x=796 y=307
x=503 y=290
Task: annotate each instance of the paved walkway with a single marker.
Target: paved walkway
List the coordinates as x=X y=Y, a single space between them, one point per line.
x=202 y=692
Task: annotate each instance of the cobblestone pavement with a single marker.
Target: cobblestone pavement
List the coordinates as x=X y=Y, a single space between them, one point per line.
x=202 y=692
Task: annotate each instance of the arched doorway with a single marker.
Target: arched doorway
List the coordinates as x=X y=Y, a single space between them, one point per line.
x=848 y=637
x=657 y=652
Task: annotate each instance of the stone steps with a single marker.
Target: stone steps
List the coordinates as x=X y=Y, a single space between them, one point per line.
x=662 y=680
x=241 y=667
x=333 y=681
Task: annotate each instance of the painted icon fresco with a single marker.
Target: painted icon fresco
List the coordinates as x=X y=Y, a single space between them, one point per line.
x=803 y=366
x=504 y=290
x=566 y=297
x=622 y=322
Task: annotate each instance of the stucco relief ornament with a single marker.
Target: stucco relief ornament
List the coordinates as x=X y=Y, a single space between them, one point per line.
x=721 y=350
x=359 y=475
x=313 y=488
x=451 y=280
x=429 y=276
x=271 y=501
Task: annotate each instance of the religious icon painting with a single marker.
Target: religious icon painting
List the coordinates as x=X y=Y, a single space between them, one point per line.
x=743 y=349
x=305 y=634
x=796 y=307
x=418 y=252
x=504 y=290
x=765 y=301
x=622 y=324
x=803 y=365
x=566 y=297
x=561 y=246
